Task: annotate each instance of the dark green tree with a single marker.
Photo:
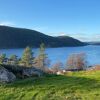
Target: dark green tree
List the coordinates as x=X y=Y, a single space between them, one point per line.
x=27 y=57
x=13 y=60
x=2 y=58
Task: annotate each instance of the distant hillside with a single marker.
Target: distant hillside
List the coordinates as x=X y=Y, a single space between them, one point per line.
x=94 y=43
x=69 y=41
x=11 y=37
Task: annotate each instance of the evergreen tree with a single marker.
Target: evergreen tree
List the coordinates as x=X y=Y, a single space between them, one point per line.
x=13 y=60
x=2 y=58
x=27 y=57
x=41 y=60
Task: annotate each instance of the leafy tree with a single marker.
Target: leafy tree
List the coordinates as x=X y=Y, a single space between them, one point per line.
x=58 y=66
x=77 y=61
x=41 y=60
x=2 y=58
x=27 y=57
x=13 y=60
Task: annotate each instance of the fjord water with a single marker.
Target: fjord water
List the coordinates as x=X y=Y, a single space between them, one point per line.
x=61 y=54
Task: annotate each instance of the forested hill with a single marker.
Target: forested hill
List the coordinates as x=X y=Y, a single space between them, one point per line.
x=11 y=37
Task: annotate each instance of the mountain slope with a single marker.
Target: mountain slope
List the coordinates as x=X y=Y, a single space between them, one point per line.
x=69 y=41
x=11 y=37
x=94 y=43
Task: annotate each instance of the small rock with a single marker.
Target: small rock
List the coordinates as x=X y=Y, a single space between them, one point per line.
x=32 y=72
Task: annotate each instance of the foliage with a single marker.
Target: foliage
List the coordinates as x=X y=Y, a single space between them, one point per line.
x=27 y=57
x=2 y=58
x=13 y=60
x=77 y=61
x=58 y=66
x=41 y=60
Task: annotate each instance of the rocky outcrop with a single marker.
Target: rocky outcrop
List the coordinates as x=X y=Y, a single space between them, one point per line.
x=6 y=76
x=32 y=72
x=22 y=72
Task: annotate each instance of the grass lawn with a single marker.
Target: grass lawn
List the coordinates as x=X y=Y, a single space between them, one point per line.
x=73 y=86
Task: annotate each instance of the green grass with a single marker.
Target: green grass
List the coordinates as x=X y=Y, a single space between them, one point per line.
x=73 y=86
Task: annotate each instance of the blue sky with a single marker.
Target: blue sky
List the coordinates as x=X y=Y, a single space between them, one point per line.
x=76 y=18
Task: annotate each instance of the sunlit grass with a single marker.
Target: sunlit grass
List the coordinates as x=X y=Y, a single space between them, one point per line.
x=72 y=86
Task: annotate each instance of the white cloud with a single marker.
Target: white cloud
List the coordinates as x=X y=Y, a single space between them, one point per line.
x=41 y=29
x=86 y=37
x=57 y=34
x=7 y=23
x=62 y=34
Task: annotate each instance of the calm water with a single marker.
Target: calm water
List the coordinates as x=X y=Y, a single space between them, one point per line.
x=61 y=54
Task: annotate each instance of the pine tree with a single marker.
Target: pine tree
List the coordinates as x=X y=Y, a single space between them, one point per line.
x=13 y=60
x=40 y=60
x=27 y=57
x=2 y=58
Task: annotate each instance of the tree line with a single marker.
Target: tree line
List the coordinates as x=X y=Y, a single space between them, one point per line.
x=41 y=61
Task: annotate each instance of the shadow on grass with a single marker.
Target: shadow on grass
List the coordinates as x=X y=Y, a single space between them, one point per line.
x=58 y=82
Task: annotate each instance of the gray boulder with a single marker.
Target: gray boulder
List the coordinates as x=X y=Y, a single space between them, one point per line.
x=6 y=76
x=32 y=72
